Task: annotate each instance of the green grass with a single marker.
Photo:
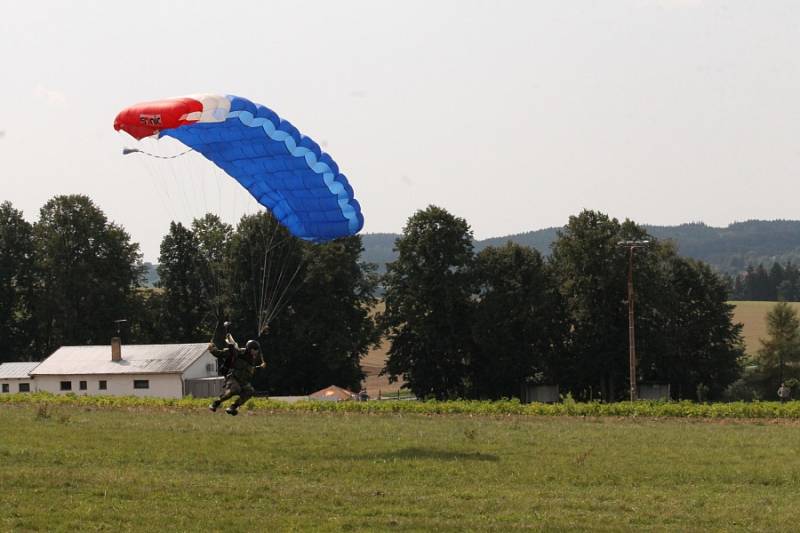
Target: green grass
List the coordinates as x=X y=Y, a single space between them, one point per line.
x=76 y=467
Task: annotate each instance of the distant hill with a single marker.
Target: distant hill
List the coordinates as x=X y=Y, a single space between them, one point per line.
x=150 y=274
x=728 y=249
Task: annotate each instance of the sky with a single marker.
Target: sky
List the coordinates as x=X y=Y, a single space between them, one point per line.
x=514 y=115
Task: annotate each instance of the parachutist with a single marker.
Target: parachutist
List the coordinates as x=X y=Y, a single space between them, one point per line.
x=241 y=364
x=126 y=151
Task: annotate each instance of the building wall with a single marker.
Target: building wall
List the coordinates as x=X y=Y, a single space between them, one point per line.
x=200 y=369
x=161 y=385
x=13 y=384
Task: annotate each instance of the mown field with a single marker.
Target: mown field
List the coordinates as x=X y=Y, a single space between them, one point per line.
x=753 y=316
x=83 y=468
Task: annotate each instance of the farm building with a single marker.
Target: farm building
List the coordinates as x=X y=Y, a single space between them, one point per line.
x=333 y=393
x=159 y=370
x=15 y=377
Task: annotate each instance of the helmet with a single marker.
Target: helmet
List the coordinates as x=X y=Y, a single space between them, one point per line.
x=252 y=344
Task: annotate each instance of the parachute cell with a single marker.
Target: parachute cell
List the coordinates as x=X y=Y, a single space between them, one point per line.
x=285 y=171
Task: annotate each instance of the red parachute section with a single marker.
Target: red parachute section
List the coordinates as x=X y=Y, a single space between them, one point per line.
x=149 y=118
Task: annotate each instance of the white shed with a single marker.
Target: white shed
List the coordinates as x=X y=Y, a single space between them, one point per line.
x=158 y=370
x=15 y=377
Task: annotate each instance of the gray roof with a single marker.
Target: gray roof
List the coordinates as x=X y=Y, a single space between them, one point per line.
x=16 y=370
x=136 y=359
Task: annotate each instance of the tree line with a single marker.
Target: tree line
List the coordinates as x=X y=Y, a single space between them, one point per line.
x=482 y=325
x=65 y=279
x=461 y=323
x=779 y=282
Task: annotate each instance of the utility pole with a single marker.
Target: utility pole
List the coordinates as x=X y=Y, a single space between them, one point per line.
x=631 y=246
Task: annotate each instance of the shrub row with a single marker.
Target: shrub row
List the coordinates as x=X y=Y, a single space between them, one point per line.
x=683 y=409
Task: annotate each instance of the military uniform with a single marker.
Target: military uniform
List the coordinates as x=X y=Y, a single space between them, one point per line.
x=242 y=367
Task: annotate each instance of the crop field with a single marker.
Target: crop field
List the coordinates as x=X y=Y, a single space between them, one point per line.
x=71 y=466
x=753 y=316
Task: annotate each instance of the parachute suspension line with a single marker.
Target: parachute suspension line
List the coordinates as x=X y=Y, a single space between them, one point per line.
x=266 y=274
x=187 y=169
x=126 y=151
x=276 y=281
x=265 y=269
x=282 y=300
x=163 y=194
x=187 y=203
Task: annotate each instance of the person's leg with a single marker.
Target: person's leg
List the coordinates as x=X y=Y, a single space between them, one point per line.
x=231 y=389
x=245 y=393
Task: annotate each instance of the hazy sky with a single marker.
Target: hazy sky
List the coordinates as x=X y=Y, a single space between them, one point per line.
x=513 y=115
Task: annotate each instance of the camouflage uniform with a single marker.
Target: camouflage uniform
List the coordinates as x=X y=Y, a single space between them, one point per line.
x=240 y=374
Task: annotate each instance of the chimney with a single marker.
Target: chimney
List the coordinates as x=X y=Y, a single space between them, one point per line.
x=116 y=349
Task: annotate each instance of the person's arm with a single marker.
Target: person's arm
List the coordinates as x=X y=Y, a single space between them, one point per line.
x=213 y=350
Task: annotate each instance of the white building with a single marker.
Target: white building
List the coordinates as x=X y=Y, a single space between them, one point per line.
x=158 y=370
x=15 y=377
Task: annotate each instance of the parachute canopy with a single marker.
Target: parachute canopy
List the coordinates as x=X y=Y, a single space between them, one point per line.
x=284 y=170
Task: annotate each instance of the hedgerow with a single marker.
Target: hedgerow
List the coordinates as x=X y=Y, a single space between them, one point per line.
x=682 y=409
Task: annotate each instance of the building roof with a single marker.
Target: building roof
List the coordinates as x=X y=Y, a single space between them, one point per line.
x=332 y=393
x=136 y=359
x=16 y=370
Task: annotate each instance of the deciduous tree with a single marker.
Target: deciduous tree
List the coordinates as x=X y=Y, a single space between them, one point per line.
x=520 y=327
x=16 y=284
x=429 y=305
x=87 y=269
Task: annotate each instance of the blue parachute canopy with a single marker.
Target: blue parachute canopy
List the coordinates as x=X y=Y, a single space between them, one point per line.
x=285 y=171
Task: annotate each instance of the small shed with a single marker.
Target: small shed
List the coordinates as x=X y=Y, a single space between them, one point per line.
x=333 y=394
x=654 y=391
x=205 y=387
x=16 y=377
x=540 y=394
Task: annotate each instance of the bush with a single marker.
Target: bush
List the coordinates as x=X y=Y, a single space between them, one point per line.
x=651 y=409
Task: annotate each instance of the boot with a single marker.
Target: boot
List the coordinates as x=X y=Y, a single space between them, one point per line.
x=214 y=405
x=233 y=410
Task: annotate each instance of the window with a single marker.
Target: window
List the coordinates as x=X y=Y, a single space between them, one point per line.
x=24 y=387
x=66 y=385
x=102 y=385
x=82 y=385
x=5 y=387
x=141 y=383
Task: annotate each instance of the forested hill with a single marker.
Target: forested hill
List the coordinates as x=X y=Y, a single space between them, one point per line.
x=728 y=249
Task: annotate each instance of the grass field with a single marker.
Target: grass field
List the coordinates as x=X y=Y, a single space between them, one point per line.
x=753 y=315
x=67 y=467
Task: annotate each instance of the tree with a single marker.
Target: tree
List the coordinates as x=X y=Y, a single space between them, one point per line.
x=689 y=339
x=87 y=270
x=16 y=284
x=520 y=326
x=265 y=265
x=319 y=338
x=684 y=330
x=213 y=243
x=316 y=298
x=779 y=357
x=187 y=307
x=429 y=305
x=591 y=271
